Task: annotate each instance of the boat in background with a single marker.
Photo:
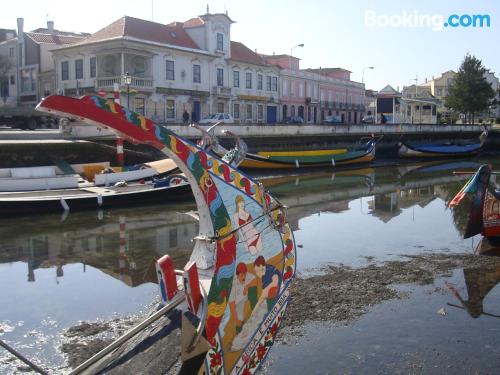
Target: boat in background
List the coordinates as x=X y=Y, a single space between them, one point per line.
x=363 y=153
x=450 y=149
x=484 y=214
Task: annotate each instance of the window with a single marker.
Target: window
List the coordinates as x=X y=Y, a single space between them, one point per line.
x=64 y=71
x=140 y=106
x=220 y=77
x=439 y=92
x=260 y=112
x=292 y=88
x=284 y=88
x=268 y=83
x=220 y=41
x=170 y=70
x=236 y=78
x=28 y=80
x=196 y=73
x=259 y=81
x=301 y=90
x=170 y=109
x=93 y=67
x=12 y=80
x=236 y=110
x=11 y=52
x=220 y=108
x=79 y=69
x=248 y=80
x=249 y=111
x=274 y=83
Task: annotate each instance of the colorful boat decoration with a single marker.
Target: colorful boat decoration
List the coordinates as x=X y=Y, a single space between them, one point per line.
x=451 y=149
x=363 y=153
x=484 y=214
x=245 y=250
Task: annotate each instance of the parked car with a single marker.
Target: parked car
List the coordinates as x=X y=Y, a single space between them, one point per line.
x=294 y=120
x=367 y=119
x=217 y=117
x=332 y=120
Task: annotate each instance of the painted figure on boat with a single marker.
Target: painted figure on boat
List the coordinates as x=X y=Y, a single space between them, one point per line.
x=247 y=232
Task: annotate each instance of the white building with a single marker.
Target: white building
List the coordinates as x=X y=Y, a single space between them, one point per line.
x=176 y=68
x=31 y=75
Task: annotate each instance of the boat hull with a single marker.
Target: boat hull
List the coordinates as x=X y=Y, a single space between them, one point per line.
x=434 y=151
x=295 y=160
x=78 y=199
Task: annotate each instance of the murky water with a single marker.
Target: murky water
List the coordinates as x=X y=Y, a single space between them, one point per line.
x=56 y=271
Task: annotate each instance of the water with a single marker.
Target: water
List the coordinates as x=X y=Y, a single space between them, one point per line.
x=56 y=271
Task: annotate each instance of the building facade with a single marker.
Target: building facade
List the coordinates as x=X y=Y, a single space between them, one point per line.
x=31 y=74
x=184 y=67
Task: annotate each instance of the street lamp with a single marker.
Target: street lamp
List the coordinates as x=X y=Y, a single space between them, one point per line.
x=298 y=45
x=363 y=77
x=127 y=80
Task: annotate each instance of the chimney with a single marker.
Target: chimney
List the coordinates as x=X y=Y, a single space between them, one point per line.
x=20 y=28
x=50 y=27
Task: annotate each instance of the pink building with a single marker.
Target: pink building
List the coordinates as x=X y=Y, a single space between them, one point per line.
x=316 y=94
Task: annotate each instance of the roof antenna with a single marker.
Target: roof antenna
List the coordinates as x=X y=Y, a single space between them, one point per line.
x=208 y=11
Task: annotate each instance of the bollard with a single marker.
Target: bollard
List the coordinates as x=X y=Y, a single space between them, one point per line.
x=166 y=278
x=192 y=286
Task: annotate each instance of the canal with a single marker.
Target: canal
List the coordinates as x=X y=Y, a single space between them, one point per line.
x=381 y=239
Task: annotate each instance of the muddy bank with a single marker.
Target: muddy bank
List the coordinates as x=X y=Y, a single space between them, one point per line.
x=343 y=293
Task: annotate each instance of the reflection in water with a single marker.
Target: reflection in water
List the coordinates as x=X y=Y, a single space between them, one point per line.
x=479 y=282
x=124 y=244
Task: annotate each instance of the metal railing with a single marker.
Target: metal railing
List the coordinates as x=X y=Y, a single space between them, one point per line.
x=137 y=82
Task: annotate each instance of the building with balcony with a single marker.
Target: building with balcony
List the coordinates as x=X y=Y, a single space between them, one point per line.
x=315 y=94
x=181 y=67
x=31 y=73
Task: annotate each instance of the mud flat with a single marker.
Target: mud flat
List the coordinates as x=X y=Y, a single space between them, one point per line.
x=343 y=294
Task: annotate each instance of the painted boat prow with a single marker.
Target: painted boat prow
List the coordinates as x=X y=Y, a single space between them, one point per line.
x=243 y=230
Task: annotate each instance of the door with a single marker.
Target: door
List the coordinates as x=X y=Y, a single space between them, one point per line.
x=271 y=114
x=195 y=116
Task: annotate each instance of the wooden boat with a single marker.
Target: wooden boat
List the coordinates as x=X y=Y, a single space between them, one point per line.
x=294 y=159
x=451 y=149
x=87 y=197
x=484 y=214
x=245 y=244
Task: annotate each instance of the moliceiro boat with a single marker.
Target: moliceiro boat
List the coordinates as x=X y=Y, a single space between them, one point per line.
x=484 y=214
x=451 y=149
x=233 y=293
x=363 y=153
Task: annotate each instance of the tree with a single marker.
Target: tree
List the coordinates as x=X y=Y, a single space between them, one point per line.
x=470 y=92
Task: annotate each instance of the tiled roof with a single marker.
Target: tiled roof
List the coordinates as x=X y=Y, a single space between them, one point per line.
x=44 y=30
x=53 y=38
x=327 y=70
x=172 y=34
x=240 y=52
x=194 y=22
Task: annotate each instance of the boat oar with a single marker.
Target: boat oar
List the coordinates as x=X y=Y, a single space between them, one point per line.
x=23 y=358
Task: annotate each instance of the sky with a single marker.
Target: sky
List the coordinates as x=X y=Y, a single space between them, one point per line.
x=334 y=33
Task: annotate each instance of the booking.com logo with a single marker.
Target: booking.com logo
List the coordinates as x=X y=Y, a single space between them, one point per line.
x=436 y=22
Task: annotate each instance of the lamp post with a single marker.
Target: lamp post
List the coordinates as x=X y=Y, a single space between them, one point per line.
x=127 y=80
x=363 y=76
x=291 y=52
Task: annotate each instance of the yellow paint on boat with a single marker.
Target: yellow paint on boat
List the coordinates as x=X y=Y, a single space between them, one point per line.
x=303 y=153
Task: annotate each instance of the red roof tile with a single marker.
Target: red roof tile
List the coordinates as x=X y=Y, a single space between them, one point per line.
x=172 y=34
x=240 y=52
x=54 y=38
x=194 y=22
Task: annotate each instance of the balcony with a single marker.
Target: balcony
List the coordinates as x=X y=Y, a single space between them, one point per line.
x=137 y=82
x=222 y=91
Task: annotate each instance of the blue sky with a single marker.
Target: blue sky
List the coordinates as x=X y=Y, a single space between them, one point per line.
x=333 y=32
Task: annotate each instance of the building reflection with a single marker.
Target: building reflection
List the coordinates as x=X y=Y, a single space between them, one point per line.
x=124 y=245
